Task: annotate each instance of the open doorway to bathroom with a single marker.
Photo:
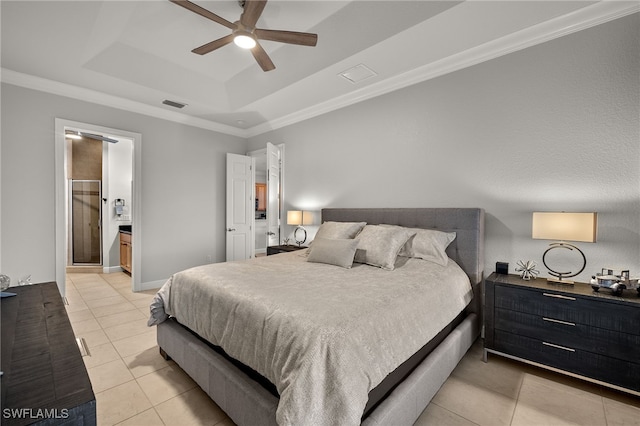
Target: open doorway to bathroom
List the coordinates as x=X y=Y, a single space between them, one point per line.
x=99 y=197
x=95 y=199
x=84 y=199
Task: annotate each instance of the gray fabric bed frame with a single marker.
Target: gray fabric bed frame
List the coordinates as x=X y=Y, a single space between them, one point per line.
x=248 y=403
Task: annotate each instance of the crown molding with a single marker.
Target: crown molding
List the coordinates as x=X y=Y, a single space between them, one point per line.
x=587 y=17
x=75 y=92
x=578 y=20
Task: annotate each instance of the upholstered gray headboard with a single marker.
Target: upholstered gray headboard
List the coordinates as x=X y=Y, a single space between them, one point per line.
x=468 y=223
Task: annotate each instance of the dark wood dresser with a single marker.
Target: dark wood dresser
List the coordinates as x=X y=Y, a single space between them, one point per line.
x=44 y=379
x=283 y=249
x=570 y=329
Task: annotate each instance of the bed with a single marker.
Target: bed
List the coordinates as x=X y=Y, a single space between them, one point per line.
x=374 y=351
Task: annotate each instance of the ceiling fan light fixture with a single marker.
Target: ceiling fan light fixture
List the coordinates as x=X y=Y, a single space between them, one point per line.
x=244 y=32
x=244 y=40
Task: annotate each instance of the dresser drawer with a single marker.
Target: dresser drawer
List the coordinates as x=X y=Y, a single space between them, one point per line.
x=568 y=307
x=610 y=370
x=613 y=344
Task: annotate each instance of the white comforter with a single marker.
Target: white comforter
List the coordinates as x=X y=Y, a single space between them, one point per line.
x=324 y=335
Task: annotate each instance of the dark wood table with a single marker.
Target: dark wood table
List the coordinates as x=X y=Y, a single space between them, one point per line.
x=44 y=379
x=283 y=249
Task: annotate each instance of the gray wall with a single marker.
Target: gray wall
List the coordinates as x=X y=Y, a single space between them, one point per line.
x=553 y=127
x=550 y=128
x=183 y=185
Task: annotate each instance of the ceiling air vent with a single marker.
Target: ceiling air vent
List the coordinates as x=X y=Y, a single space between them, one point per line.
x=174 y=103
x=358 y=73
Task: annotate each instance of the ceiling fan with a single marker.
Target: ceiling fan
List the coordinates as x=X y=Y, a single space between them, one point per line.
x=245 y=34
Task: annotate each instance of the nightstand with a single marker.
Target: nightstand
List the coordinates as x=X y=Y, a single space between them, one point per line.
x=283 y=249
x=568 y=329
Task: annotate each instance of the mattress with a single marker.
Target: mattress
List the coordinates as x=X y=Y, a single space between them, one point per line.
x=325 y=336
x=376 y=395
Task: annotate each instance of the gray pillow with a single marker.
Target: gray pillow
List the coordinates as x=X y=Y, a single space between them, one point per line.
x=379 y=245
x=340 y=230
x=427 y=244
x=339 y=252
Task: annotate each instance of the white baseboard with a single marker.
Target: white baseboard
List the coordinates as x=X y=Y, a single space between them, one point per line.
x=151 y=285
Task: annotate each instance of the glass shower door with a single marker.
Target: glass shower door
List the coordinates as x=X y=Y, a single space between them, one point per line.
x=86 y=218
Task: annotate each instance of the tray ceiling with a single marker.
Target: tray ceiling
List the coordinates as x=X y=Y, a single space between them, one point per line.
x=136 y=54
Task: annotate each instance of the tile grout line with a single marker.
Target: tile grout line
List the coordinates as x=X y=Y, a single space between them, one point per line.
x=515 y=406
x=453 y=412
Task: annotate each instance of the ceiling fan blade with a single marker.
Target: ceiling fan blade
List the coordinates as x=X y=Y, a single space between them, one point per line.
x=252 y=11
x=204 y=12
x=213 y=45
x=291 y=37
x=262 y=58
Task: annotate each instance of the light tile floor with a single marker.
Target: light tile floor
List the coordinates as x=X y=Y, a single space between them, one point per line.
x=135 y=386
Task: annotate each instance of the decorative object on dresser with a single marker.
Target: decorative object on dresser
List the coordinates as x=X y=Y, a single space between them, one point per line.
x=571 y=330
x=283 y=249
x=45 y=381
x=562 y=227
x=527 y=269
x=502 y=268
x=616 y=283
x=5 y=282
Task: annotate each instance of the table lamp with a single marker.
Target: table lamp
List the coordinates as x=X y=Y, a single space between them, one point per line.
x=296 y=217
x=562 y=227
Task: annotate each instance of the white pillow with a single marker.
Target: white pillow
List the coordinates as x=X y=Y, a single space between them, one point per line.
x=339 y=252
x=339 y=230
x=379 y=246
x=427 y=244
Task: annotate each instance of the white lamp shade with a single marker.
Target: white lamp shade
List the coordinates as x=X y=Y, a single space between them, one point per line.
x=563 y=226
x=294 y=217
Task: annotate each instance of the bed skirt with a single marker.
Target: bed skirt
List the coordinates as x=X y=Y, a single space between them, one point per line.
x=248 y=403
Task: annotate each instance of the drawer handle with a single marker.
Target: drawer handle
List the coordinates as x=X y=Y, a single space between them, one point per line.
x=559 y=347
x=559 y=321
x=558 y=296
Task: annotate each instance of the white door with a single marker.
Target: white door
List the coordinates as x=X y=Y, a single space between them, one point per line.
x=273 y=195
x=240 y=208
